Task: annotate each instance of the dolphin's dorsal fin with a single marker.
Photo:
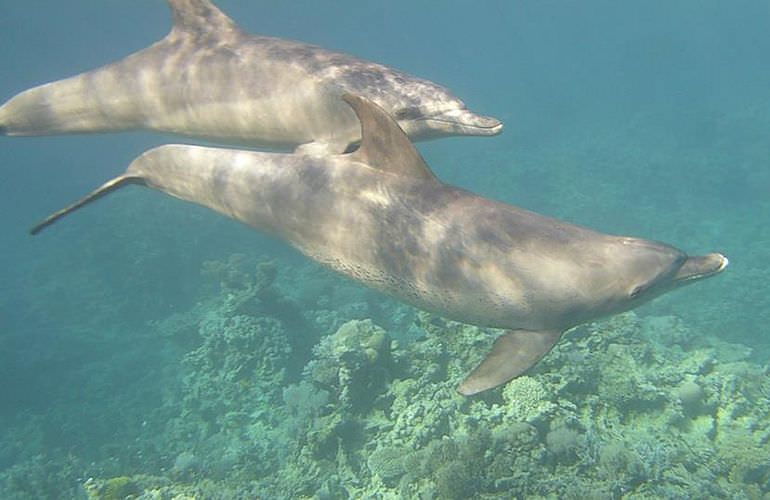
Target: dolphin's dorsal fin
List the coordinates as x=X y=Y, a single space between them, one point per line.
x=513 y=353
x=199 y=16
x=383 y=144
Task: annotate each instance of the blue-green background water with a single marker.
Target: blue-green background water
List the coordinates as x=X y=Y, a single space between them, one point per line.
x=643 y=118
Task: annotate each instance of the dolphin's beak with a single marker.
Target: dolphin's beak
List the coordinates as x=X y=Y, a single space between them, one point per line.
x=695 y=268
x=465 y=122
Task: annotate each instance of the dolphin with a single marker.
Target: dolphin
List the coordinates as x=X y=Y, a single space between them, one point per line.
x=211 y=80
x=380 y=216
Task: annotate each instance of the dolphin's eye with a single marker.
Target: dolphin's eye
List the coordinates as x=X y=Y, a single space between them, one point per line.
x=410 y=113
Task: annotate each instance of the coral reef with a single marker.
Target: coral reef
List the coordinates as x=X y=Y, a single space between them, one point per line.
x=632 y=407
x=352 y=364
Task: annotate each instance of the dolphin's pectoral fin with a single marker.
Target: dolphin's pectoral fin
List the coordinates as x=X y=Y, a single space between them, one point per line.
x=104 y=189
x=384 y=145
x=513 y=353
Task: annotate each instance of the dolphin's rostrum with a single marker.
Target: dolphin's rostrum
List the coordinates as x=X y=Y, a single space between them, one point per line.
x=380 y=216
x=212 y=80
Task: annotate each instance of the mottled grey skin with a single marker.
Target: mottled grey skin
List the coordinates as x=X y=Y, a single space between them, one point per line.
x=211 y=80
x=381 y=217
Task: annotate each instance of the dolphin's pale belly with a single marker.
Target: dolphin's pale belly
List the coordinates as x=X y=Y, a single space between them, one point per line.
x=467 y=304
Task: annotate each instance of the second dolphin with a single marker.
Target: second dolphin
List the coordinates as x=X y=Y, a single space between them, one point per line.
x=212 y=80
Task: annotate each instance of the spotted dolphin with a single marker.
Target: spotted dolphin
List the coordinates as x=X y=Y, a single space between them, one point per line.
x=380 y=216
x=210 y=79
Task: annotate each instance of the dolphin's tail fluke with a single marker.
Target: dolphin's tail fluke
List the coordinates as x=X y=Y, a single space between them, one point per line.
x=104 y=189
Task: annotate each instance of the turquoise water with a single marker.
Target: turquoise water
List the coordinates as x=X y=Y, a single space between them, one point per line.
x=150 y=345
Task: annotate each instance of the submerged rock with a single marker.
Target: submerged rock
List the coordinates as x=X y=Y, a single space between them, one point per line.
x=691 y=395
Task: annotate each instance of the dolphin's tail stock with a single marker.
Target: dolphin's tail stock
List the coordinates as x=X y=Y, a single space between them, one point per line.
x=104 y=189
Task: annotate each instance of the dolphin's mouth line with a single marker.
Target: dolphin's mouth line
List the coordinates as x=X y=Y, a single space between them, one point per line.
x=439 y=119
x=468 y=125
x=724 y=261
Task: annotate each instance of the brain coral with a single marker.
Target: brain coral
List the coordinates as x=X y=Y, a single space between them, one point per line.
x=528 y=399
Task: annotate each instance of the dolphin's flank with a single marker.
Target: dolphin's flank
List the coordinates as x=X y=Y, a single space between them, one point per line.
x=380 y=216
